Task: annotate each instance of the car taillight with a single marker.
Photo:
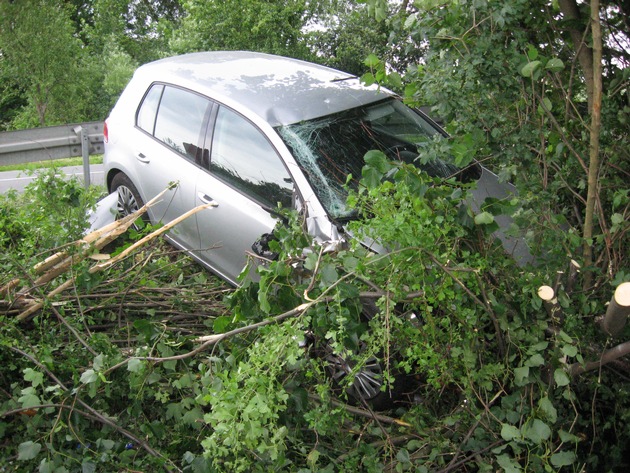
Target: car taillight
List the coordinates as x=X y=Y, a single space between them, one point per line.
x=105 y=133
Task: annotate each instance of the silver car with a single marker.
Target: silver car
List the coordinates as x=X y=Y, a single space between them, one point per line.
x=250 y=132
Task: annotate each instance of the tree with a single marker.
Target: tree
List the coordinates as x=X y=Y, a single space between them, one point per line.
x=43 y=58
x=256 y=25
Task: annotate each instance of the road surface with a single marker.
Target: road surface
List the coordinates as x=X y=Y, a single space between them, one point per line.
x=19 y=179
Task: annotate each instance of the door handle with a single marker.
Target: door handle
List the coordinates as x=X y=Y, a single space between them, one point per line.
x=142 y=158
x=206 y=199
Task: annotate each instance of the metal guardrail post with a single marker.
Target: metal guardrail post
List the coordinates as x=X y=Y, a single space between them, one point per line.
x=85 y=153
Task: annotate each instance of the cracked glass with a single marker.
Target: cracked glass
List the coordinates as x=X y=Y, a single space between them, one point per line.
x=329 y=149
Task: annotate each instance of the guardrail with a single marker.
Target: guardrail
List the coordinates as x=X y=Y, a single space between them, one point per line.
x=53 y=142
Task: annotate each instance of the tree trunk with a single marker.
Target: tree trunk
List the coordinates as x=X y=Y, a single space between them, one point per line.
x=571 y=12
x=593 y=167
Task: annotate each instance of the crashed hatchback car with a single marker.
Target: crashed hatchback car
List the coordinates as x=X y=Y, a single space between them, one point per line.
x=248 y=132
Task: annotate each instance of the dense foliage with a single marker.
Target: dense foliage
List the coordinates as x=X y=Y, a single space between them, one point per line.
x=111 y=374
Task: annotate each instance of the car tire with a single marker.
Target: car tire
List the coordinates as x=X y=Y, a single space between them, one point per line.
x=367 y=385
x=129 y=199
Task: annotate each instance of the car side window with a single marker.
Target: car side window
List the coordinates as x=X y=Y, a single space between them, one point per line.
x=242 y=157
x=179 y=121
x=148 y=110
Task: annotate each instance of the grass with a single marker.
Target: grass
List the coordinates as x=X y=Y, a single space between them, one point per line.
x=51 y=163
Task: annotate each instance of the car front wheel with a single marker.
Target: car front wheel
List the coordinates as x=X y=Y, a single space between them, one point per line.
x=129 y=200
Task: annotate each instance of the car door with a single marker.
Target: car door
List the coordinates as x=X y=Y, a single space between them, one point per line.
x=174 y=156
x=247 y=180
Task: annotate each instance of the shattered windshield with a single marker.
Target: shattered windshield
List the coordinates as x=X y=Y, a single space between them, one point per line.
x=330 y=148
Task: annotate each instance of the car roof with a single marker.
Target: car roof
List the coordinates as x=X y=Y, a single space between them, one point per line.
x=280 y=90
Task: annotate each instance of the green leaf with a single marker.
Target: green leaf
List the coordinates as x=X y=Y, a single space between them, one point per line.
x=34 y=377
x=537 y=431
x=508 y=464
x=554 y=65
x=562 y=459
x=616 y=219
x=135 y=365
x=372 y=61
x=394 y=80
x=88 y=466
x=535 y=360
x=368 y=79
x=377 y=160
x=532 y=53
x=403 y=456
x=545 y=106
x=561 y=377
x=484 y=218
x=221 y=324
x=28 y=450
x=99 y=362
x=521 y=375
x=528 y=69
x=89 y=376
x=29 y=398
x=510 y=432
x=547 y=408
x=329 y=274
x=569 y=350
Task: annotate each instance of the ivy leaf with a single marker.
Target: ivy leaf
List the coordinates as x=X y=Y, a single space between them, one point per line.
x=28 y=450
x=29 y=398
x=34 y=377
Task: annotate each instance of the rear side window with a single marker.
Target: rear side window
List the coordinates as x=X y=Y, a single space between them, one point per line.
x=176 y=117
x=242 y=157
x=148 y=109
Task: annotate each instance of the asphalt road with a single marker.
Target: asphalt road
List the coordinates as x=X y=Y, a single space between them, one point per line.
x=19 y=179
